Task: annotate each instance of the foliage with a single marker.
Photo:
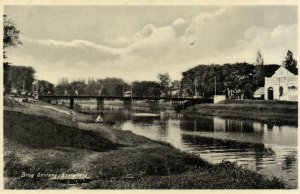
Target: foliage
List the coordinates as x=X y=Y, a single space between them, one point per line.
x=165 y=83
x=6 y=82
x=10 y=34
x=19 y=75
x=258 y=75
x=290 y=63
x=238 y=79
x=146 y=88
x=45 y=87
x=10 y=39
x=107 y=87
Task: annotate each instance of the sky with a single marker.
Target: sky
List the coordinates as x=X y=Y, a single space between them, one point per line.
x=138 y=42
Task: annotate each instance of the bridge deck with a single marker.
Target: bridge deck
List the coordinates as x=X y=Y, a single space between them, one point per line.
x=43 y=97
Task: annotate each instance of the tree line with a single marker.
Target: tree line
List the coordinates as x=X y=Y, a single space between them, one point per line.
x=238 y=79
x=111 y=87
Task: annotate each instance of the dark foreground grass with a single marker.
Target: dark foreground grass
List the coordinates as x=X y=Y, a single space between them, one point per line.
x=274 y=112
x=221 y=176
x=39 y=144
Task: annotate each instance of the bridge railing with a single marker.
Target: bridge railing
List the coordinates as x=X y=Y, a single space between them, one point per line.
x=183 y=102
x=117 y=97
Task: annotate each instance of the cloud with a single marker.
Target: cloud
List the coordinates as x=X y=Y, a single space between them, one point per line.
x=119 y=42
x=275 y=41
x=180 y=25
x=209 y=16
x=145 y=32
x=149 y=42
x=157 y=43
x=205 y=18
x=154 y=49
x=75 y=50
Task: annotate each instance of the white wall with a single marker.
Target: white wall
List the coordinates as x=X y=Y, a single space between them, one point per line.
x=219 y=98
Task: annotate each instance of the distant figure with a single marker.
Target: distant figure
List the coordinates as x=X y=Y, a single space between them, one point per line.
x=76 y=92
x=100 y=118
x=66 y=92
x=73 y=116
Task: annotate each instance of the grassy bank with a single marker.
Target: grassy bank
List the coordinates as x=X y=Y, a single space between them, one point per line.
x=275 y=112
x=41 y=140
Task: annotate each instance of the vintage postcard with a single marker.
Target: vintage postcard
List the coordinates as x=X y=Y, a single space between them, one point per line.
x=150 y=95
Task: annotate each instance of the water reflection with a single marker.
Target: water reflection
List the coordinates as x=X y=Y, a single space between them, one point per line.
x=217 y=150
x=189 y=123
x=266 y=148
x=290 y=160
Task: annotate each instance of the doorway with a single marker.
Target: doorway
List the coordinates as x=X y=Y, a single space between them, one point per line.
x=270 y=93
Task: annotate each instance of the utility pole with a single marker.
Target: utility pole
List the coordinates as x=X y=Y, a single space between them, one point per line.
x=215 y=85
x=195 y=86
x=287 y=86
x=123 y=88
x=23 y=85
x=131 y=91
x=279 y=87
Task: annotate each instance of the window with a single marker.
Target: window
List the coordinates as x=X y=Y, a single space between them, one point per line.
x=293 y=88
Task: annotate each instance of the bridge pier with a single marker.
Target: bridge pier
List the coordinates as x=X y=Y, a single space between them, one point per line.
x=153 y=104
x=72 y=102
x=100 y=104
x=178 y=105
x=127 y=103
x=174 y=104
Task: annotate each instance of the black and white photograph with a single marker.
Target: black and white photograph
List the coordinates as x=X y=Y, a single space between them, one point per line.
x=149 y=95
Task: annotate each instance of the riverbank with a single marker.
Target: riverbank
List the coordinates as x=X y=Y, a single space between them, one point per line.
x=39 y=140
x=273 y=112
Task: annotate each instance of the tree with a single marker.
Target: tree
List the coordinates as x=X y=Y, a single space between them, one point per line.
x=236 y=79
x=176 y=85
x=146 y=88
x=10 y=34
x=104 y=92
x=258 y=70
x=113 y=86
x=259 y=59
x=290 y=63
x=79 y=86
x=45 y=87
x=21 y=76
x=165 y=83
x=10 y=39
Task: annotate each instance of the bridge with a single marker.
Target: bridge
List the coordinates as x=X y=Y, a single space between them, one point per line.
x=178 y=103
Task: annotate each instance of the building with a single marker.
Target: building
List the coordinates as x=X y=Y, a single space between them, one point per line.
x=259 y=93
x=281 y=86
x=127 y=94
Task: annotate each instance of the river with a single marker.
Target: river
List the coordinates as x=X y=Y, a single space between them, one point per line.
x=268 y=149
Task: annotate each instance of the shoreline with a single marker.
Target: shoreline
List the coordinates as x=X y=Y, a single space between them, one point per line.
x=113 y=159
x=270 y=112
